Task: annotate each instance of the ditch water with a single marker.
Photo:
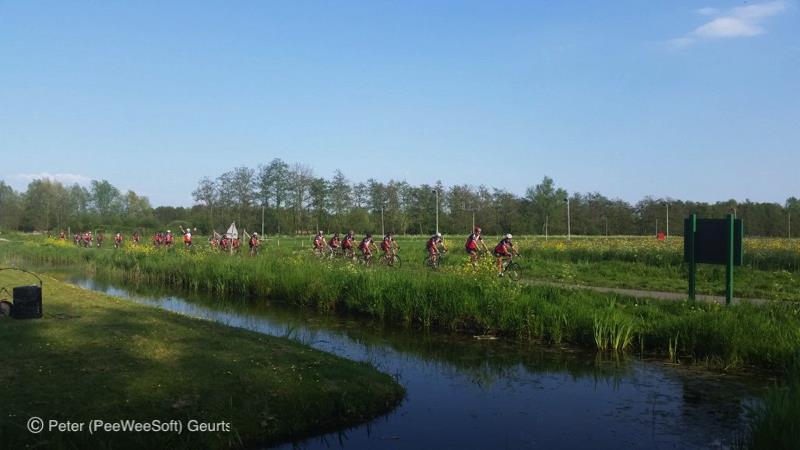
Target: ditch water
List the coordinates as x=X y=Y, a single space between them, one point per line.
x=467 y=393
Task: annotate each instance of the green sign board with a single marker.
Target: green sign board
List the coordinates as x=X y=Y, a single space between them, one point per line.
x=711 y=237
x=712 y=241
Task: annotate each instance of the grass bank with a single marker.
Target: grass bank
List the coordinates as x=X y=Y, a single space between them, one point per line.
x=764 y=336
x=774 y=425
x=97 y=357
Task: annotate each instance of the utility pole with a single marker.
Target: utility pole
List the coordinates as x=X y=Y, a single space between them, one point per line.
x=383 y=230
x=262 y=220
x=471 y=209
x=569 y=226
x=437 y=209
x=667 y=203
x=546 y=218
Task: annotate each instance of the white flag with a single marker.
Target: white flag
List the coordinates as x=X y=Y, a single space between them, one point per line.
x=232 y=233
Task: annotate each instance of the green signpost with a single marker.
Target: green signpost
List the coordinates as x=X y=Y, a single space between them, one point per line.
x=712 y=241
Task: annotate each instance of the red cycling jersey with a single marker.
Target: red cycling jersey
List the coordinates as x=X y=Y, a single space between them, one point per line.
x=503 y=247
x=347 y=242
x=472 y=241
x=365 y=243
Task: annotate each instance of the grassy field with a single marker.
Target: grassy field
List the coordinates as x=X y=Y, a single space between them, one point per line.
x=771 y=268
x=97 y=357
x=457 y=299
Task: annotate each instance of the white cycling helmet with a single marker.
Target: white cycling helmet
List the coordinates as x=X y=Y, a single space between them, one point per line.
x=438 y=234
x=508 y=235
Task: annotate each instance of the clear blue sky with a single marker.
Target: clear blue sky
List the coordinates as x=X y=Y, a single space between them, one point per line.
x=691 y=100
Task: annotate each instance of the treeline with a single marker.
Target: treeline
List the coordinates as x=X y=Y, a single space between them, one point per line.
x=292 y=199
x=49 y=205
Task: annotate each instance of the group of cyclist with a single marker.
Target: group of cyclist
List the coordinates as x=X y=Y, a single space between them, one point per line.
x=337 y=245
x=435 y=245
x=88 y=239
x=346 y=246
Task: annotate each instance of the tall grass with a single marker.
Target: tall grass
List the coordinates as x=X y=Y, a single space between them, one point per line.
x=764 y=336
x=775 y=424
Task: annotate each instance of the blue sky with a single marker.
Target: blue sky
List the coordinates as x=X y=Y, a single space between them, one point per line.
x=691 y=100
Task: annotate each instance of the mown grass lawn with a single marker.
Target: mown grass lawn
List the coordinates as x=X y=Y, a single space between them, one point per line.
x=96 y=357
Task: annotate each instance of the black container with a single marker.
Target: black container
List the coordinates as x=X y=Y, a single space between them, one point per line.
x=27 y=302
x=27 y=299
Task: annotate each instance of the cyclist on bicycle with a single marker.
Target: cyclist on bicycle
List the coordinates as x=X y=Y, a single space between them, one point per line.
x=100 y=238
x=254 y=244
x=334 y=243
x=169 y=239
x=118 y=240
x=504 y=251
x=389 y=246
x=366 y=246
x=471 y=246
x=433 y=247
x=187 y=236
x=347 y=243
x=319 y=242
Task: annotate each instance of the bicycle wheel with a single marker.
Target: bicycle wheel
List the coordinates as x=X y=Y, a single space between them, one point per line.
x=395 y=262
x=512 y=271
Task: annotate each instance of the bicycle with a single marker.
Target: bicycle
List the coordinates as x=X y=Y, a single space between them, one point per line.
x=392 y=260
x=365 y=259
x=434 y=264
x=511 y=270
x=318 y=252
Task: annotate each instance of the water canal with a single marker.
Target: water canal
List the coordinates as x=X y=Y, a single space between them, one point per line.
x=467 y=393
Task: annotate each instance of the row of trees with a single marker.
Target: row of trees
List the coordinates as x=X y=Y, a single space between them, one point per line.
x=49 y=205
x=291 y=199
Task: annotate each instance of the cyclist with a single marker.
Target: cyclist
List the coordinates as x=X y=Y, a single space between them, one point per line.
x=319 y=242
x=136 y=237
x=471 y=246
x=389 y=246
x=347 y=243
x=366 y=246
x=100 y=238
x=333 y=243
x=168 y=239
x=187 y=236
x=503 y=251
x=433 y=248
x=255 y=244
x=118 y=240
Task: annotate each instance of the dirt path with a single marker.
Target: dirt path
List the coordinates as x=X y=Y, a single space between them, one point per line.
x=661 y=295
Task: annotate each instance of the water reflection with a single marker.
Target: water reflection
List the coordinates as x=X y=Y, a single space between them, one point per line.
x=464 y=393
